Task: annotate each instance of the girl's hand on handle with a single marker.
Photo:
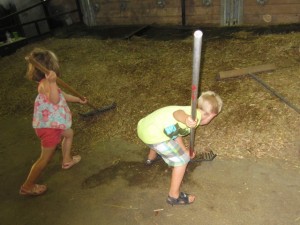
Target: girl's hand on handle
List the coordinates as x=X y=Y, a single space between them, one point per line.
x=51 y=76
x=83 y=101
x=190 y=122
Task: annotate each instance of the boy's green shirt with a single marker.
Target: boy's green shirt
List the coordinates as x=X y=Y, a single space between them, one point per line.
x=160 y=125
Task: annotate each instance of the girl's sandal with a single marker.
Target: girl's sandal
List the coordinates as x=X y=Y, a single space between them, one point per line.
x=37 y=189
x=183 y=199
x=75 y=159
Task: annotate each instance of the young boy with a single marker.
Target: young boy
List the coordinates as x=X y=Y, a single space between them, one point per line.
x=162 y=131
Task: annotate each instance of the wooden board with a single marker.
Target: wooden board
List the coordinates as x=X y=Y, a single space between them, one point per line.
x=245 y=71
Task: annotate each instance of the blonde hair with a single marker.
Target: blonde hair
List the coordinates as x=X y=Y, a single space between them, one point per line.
x=46 y=58
x=210 y=102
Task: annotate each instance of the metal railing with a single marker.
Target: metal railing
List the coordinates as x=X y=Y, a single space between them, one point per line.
x=20 y=26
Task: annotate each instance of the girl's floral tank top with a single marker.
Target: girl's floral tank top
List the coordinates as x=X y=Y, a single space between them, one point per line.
x=49 y=115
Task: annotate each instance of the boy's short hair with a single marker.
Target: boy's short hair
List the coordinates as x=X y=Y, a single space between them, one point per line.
x=210 y=102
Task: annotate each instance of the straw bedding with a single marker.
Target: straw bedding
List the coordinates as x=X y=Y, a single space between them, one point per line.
x=144 y=74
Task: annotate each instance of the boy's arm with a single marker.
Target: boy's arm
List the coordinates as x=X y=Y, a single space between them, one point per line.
x=179 y=140
x=184 y=118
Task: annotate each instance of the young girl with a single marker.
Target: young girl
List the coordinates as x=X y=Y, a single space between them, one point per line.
x=52 y=120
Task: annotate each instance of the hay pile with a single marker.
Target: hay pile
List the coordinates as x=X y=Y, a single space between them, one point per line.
x=142 y=75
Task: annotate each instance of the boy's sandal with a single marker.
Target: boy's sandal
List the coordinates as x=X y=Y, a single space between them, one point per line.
x=151 y=161
x=75 y=159
x=183 y=199
x=37 y=189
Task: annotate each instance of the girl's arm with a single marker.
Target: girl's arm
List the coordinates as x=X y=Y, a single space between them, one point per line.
x=184 y=118
x=71 y=98
x=49 y=87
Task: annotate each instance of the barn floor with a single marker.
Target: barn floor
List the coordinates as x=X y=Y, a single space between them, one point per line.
x=254 y=180
x=116 y=188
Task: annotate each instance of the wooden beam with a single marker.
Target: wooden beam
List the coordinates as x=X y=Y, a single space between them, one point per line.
x=245 y=71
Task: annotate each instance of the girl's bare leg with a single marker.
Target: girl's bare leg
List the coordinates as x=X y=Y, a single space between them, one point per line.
x=67 y=145
x=38 y=167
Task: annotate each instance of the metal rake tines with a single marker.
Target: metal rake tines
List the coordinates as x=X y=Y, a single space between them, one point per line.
x=205 y=156
x=208 y=156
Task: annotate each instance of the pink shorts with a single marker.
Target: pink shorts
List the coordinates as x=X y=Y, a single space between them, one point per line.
x=49 y=137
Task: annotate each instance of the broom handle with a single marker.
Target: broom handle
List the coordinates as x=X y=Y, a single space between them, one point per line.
x=59 y=81
x=195 y=82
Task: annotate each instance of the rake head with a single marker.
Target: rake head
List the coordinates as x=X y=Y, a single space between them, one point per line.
x=205 y=156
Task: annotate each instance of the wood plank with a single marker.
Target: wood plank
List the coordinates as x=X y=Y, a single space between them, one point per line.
x=115 y=12
x=200 y=20
x=139 y=20
x=276 y=19
x=203 y=10
x=272 y=2
x=245 y=71
x=272 y=9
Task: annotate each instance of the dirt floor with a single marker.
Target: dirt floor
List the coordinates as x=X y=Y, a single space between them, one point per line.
x=254 y=180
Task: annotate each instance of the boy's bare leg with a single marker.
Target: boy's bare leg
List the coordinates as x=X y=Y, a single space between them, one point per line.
x=67 y=145
x=177 y=176
x=38 y=167
x=152 y=154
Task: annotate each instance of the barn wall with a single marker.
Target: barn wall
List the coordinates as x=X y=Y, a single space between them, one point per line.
x=137 y=12
x=272 y=12
x=56 y=7
x=197 y=13
x=124 y=12
x=108 y=12
x=169 y=12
